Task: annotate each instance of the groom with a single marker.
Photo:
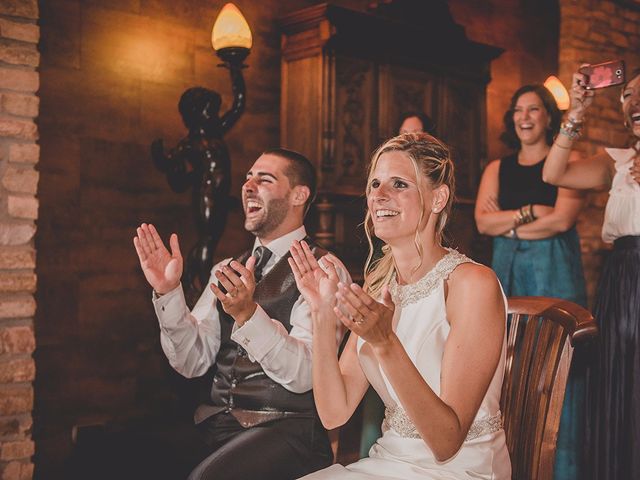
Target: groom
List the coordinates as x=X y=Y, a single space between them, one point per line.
x=251 y=331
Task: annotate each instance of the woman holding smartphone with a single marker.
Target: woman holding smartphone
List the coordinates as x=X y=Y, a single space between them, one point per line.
x=614 y=409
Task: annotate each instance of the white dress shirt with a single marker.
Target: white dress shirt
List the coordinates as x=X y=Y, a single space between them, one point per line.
x=622 y=214
x=191 y=340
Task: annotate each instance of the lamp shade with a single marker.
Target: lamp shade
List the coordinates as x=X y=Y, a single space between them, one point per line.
x=555 y=86
x=230 y=29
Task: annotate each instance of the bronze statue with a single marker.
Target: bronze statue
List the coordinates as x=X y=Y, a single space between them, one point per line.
x=201 y=161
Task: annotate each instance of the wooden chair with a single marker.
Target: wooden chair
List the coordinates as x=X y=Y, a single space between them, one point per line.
x=542 y=334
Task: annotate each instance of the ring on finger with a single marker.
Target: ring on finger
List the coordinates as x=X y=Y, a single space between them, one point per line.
x=359 y=320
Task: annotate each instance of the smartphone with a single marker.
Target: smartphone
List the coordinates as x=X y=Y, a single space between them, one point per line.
x=603 y=75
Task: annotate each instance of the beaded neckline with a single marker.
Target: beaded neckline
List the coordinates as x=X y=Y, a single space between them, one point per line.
x=404 y=295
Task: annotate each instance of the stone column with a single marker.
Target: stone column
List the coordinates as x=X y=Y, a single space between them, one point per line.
x=19 y=154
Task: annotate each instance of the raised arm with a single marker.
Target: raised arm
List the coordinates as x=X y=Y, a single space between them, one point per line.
x=594 y=172
x=239 y=98
x=190 y=340
x=476 y=313
x=338 y=387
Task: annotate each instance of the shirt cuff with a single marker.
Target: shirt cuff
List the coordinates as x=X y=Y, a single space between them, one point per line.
x=258 y=335
x=170 y=306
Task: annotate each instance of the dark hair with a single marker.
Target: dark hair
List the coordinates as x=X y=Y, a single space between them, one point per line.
x=634 y=73
x=428 y=125
x=509 y=136
x=299 y=172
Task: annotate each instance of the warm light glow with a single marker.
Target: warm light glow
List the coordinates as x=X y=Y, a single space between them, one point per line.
x=555 y=86
x=230 y=29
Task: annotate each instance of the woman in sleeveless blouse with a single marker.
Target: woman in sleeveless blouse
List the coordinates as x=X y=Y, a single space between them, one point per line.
x=614 y=387
x=536 y=249
x=428 y=331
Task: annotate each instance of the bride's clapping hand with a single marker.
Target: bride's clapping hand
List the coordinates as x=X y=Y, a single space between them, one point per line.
x=366 y=317
x=317 y=285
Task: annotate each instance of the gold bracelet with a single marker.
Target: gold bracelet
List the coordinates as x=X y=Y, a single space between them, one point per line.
x=518 y=219
x=571 y=128
x=529 y=210
x=561 y=146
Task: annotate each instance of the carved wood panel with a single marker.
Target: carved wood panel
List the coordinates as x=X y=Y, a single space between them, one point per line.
x=461 y=123
x=356 y=112
x=402 y=90
x=348 y=76
x=302 y=106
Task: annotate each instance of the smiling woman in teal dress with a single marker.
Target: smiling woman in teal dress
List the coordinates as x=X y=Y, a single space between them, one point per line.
x=536 y=249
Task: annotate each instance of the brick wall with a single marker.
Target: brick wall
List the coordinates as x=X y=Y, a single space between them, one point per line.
x=593 y=31
x=19 y=155
x=527 y=30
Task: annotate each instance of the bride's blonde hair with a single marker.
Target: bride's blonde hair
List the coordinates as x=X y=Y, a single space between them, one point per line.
x=433 y=166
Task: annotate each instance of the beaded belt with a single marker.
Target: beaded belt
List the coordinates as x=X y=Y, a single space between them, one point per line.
x=397 y=419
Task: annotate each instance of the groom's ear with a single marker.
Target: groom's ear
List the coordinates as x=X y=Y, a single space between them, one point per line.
x=300 y=195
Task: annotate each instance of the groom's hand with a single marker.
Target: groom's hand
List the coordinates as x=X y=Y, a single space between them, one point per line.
x=161 y=268
x=239 y=282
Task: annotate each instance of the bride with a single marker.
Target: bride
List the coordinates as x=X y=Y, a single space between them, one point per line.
x=428 y=330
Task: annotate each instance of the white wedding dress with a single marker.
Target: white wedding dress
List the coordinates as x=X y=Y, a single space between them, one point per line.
x=400 y=454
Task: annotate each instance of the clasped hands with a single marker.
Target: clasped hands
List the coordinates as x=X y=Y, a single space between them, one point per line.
x=355 y=308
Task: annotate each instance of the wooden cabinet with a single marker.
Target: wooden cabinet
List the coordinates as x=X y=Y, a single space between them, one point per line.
x=348 y=76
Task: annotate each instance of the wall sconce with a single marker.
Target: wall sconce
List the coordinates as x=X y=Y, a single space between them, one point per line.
x=201 y=159
x=231 y=35
x=555 y=86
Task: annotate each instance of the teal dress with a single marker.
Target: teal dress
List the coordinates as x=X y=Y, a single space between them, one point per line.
x=550 y=267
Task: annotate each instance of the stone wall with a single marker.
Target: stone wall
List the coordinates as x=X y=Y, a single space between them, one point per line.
x=594 y=31
x=19 y=155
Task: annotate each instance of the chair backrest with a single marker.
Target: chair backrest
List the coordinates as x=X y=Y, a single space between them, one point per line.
x=542 y=333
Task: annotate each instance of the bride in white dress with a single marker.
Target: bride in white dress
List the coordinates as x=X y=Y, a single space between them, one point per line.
x=428 y=331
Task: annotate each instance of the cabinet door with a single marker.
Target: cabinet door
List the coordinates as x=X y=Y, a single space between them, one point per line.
x=301 y=108
x=461 y=126
x=402 y=90
x=356 y=119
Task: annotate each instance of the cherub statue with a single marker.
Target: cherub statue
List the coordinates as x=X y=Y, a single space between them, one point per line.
x=201 y=161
